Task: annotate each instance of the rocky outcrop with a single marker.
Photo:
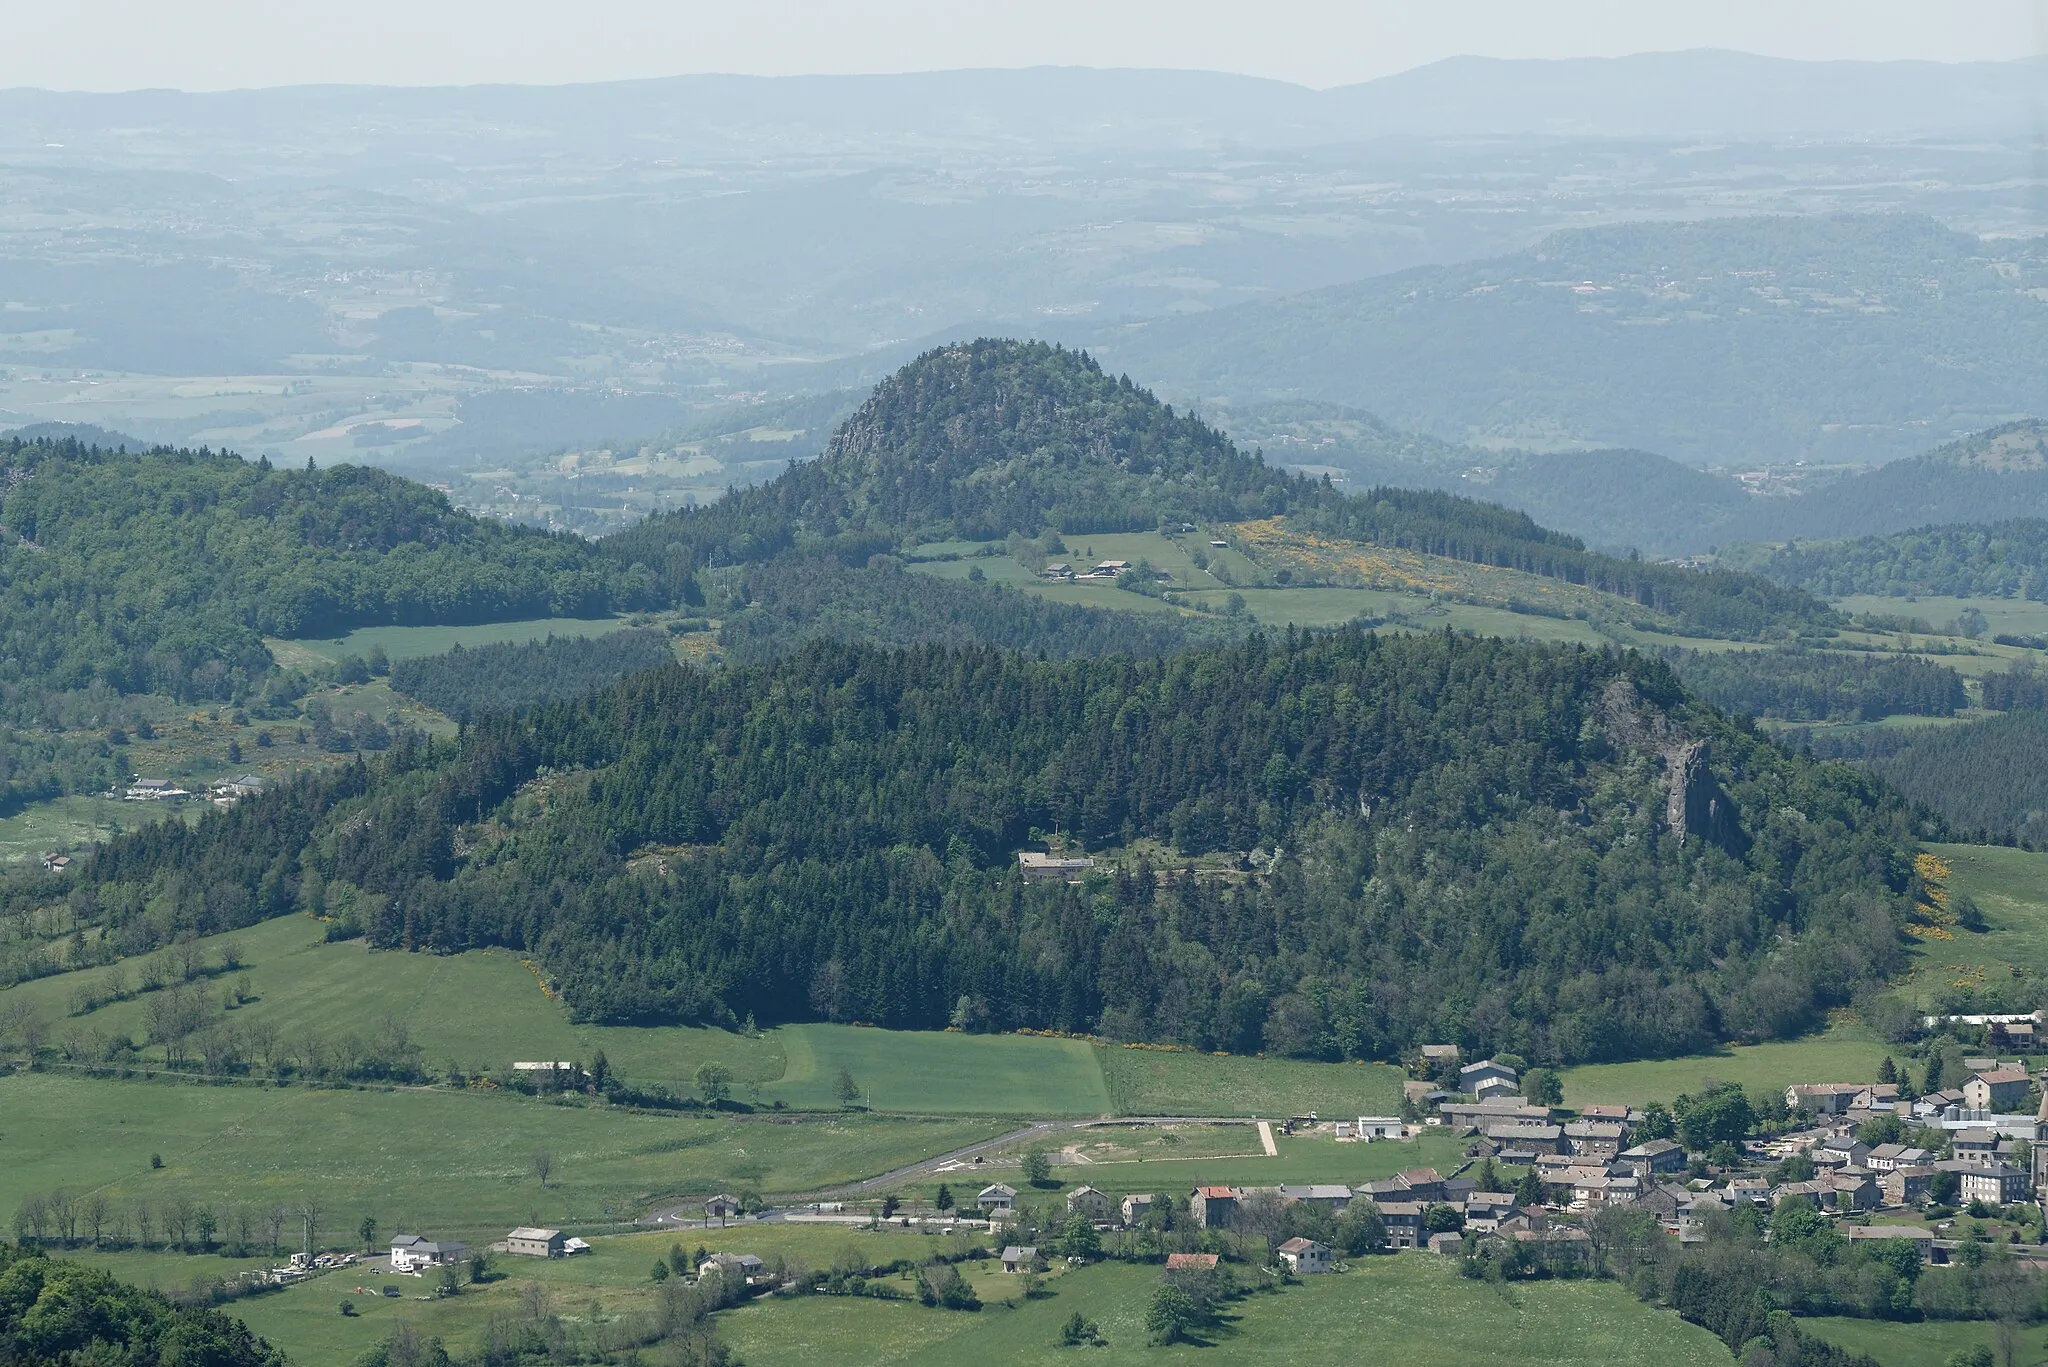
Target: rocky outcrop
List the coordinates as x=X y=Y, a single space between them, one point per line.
x=1695 y=805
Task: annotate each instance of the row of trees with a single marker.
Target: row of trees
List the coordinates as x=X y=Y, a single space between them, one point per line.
x=94 y=1219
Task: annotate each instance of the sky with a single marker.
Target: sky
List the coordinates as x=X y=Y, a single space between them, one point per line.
x=225 y=44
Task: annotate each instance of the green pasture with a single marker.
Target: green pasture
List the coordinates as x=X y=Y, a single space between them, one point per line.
x=1409 y=1307
x=1846 y=1053
x=402 y=643
x=460 y=1162
x=1183 y=1082
x=1120 y=1160
x=1926 y=1344
x=2011 y=888
x=71 y=823
x=931 y=1072
x=481 y=1011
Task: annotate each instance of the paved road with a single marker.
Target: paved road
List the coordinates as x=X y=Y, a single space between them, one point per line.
x=690 y=1214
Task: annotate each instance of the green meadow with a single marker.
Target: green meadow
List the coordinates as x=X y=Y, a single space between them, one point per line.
x=2011 y=888
x=481 y=1011
x=455 y=1161
x=1411 y=1300
x=1846 y=1053
x=401 y=643
x=1414 y=1300
x=1183 y=1082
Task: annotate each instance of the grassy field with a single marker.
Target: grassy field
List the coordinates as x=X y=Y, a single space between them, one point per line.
x=1927 y=1344
x=2011 y=888
x=480 y=1011
x=453 y=1161
x=941 y=1073
x=1411 y=1300
x=402 y=643
x=1845 y=1053
x=1120 y=1160
x=1160 y=1082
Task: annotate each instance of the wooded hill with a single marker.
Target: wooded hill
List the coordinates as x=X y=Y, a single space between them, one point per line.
x=160 y=571
x=1452 y=839
x=1996 y=560
x=987 y=438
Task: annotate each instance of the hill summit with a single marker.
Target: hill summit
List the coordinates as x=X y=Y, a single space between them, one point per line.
x=988 y=437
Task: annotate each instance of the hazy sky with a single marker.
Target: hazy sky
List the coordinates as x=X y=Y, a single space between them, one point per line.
x=212 y=44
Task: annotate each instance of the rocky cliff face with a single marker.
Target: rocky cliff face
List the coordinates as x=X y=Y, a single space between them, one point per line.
x=1695 y=806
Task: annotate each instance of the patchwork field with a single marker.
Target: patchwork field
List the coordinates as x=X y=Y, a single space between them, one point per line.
x=479 y=1012
x=1846 y=1053
x=454 y=1161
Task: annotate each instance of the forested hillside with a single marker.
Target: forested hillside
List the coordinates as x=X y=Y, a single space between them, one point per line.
x=984 y=439
x=1988 y=779
x=513 y=676
x=159 y=572
x=794 y=601
x=1999 y=559
x=1811 y=685
x=1541 y=848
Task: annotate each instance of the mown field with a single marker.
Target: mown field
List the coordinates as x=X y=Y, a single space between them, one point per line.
x=1846 y=1053
x=1180 y=1082
x=1119 y=1160
x=454 y=1161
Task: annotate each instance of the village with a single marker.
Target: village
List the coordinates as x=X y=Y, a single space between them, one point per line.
x=1530 y=1192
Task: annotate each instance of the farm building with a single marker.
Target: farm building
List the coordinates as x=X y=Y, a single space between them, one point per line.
x=721 y=1207
x=534 y=1243
x=1051 y=868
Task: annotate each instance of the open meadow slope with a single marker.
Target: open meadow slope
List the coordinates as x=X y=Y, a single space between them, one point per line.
x=433 y=1158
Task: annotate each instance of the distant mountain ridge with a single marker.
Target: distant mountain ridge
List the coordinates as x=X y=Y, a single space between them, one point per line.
x=1700 y=91
x=1856 y=338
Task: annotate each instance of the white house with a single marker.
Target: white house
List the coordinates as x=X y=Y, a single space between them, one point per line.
x=1305 y=1257
x=999 y=1198
x=411 y=1252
